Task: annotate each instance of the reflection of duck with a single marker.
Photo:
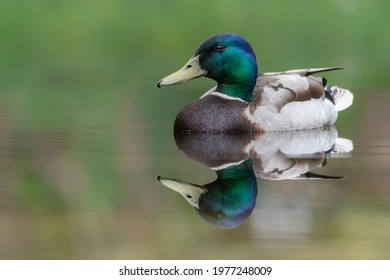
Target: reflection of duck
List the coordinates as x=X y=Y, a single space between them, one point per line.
x=293 y=154
x=238 y=160
x=274 y=155
x=242 y=101
x=225 y=202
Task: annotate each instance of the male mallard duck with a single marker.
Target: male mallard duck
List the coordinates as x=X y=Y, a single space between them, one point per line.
x=244 y=101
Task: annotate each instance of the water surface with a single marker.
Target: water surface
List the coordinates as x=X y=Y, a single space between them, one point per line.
x=90 y=191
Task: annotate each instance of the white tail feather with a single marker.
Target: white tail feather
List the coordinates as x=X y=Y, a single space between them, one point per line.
x=342 y=146
x=343 y=98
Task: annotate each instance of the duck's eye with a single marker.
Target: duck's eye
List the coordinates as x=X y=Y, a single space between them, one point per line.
x=219 y=48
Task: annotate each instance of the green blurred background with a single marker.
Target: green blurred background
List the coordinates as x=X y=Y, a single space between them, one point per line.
x=61 y=60
x=85 y=131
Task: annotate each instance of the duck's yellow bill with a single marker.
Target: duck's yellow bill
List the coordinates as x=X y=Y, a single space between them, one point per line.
x=189 y=71
x=189 y=191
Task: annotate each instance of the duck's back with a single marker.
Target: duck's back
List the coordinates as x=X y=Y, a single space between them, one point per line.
x=213 y=114
x=294 y=100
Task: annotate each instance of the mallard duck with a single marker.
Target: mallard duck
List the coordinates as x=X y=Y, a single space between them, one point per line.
x=245 y=101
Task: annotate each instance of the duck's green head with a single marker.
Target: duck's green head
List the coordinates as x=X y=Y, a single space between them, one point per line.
x=226 y=58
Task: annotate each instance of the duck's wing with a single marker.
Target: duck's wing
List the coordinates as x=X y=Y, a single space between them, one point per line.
x=280 y=88
x=307 y=71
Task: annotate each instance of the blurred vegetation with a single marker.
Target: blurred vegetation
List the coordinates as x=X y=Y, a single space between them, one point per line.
x=72 y=61
x=78 y=89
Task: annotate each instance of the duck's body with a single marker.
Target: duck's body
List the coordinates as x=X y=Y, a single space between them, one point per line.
x=244 y=101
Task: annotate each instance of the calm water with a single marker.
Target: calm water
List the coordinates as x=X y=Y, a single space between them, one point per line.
x=92 y=192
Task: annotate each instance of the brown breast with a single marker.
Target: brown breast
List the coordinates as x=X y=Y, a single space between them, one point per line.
x=213 y=114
